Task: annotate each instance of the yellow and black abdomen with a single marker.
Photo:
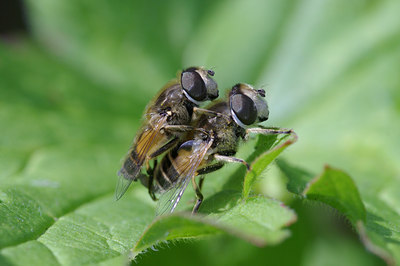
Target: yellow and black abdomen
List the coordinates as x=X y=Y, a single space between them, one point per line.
x=166 y=174
x=177 y=164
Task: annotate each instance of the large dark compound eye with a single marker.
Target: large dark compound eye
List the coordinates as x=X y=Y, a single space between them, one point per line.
x=244 y=108
x=194 y=85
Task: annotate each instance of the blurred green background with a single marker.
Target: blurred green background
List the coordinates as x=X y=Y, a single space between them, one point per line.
x=75 y=77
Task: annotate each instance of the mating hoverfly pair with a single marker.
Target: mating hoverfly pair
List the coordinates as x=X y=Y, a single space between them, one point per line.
x=195 y=141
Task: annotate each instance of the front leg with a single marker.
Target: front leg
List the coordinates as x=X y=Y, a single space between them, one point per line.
x=268 y=131
x=229 y=159
x=211 y=113
x=183 y=128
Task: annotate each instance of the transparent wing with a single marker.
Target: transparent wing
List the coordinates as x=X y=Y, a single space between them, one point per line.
x=187 y=169
x=132 y=164
x=122 y=186
x=147 y=140
x=170 y=199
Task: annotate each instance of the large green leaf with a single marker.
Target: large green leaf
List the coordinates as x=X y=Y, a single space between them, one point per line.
x=311 y=243
x=258 y=220
x=331 y=70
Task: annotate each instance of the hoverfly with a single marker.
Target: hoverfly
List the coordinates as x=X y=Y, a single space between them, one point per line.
x=166 y=118
x=200 y=153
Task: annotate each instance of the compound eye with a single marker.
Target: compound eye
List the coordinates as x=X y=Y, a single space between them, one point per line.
x=244 y=108
x=194 y=85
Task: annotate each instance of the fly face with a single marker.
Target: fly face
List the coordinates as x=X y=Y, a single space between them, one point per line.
x=197 y=84
x=247 y=105
x=168 y=117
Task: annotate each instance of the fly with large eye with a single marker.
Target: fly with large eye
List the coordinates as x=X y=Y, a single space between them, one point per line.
x=167 y=117
x=226 y=124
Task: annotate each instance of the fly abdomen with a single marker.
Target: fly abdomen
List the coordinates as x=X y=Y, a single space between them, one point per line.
x=166 y=174
x=163 y=182
x=173 y=165
x=130 y=169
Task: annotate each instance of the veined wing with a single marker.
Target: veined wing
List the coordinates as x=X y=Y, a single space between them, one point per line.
x=186 y=166
x=122 y=186
x=136 y=157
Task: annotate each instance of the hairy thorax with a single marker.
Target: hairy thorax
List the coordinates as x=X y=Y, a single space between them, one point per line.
x=225 y=135
x=171 y=103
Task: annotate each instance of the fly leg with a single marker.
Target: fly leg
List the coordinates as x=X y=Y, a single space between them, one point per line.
x=150 y=172
x=211 y=113
x=201 y=181
x=268 y=131
x=210 y=169
x=229 y=159
x=174 y=141
x=197 y=188
x=183 y=128
x=198 y=195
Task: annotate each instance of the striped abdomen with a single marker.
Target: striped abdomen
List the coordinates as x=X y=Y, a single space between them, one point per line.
x=166 y=174
x=179 y=164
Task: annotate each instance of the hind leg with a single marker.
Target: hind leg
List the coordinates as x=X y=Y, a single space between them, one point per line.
x=198 y=195
x=230 y=159
x=150 y=172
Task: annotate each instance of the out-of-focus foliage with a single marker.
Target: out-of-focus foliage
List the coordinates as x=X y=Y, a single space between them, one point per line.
x=72 y=95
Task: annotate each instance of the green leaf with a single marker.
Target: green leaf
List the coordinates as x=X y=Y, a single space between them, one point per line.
x=263 y=161
x=34 y=253
x=175 y=226
x=257 y=219
x=70 y=105
x=260 y=217
x=337 y=189
x=251 y=150
x=332 y=187
x=95 y=232
x=312 y=242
